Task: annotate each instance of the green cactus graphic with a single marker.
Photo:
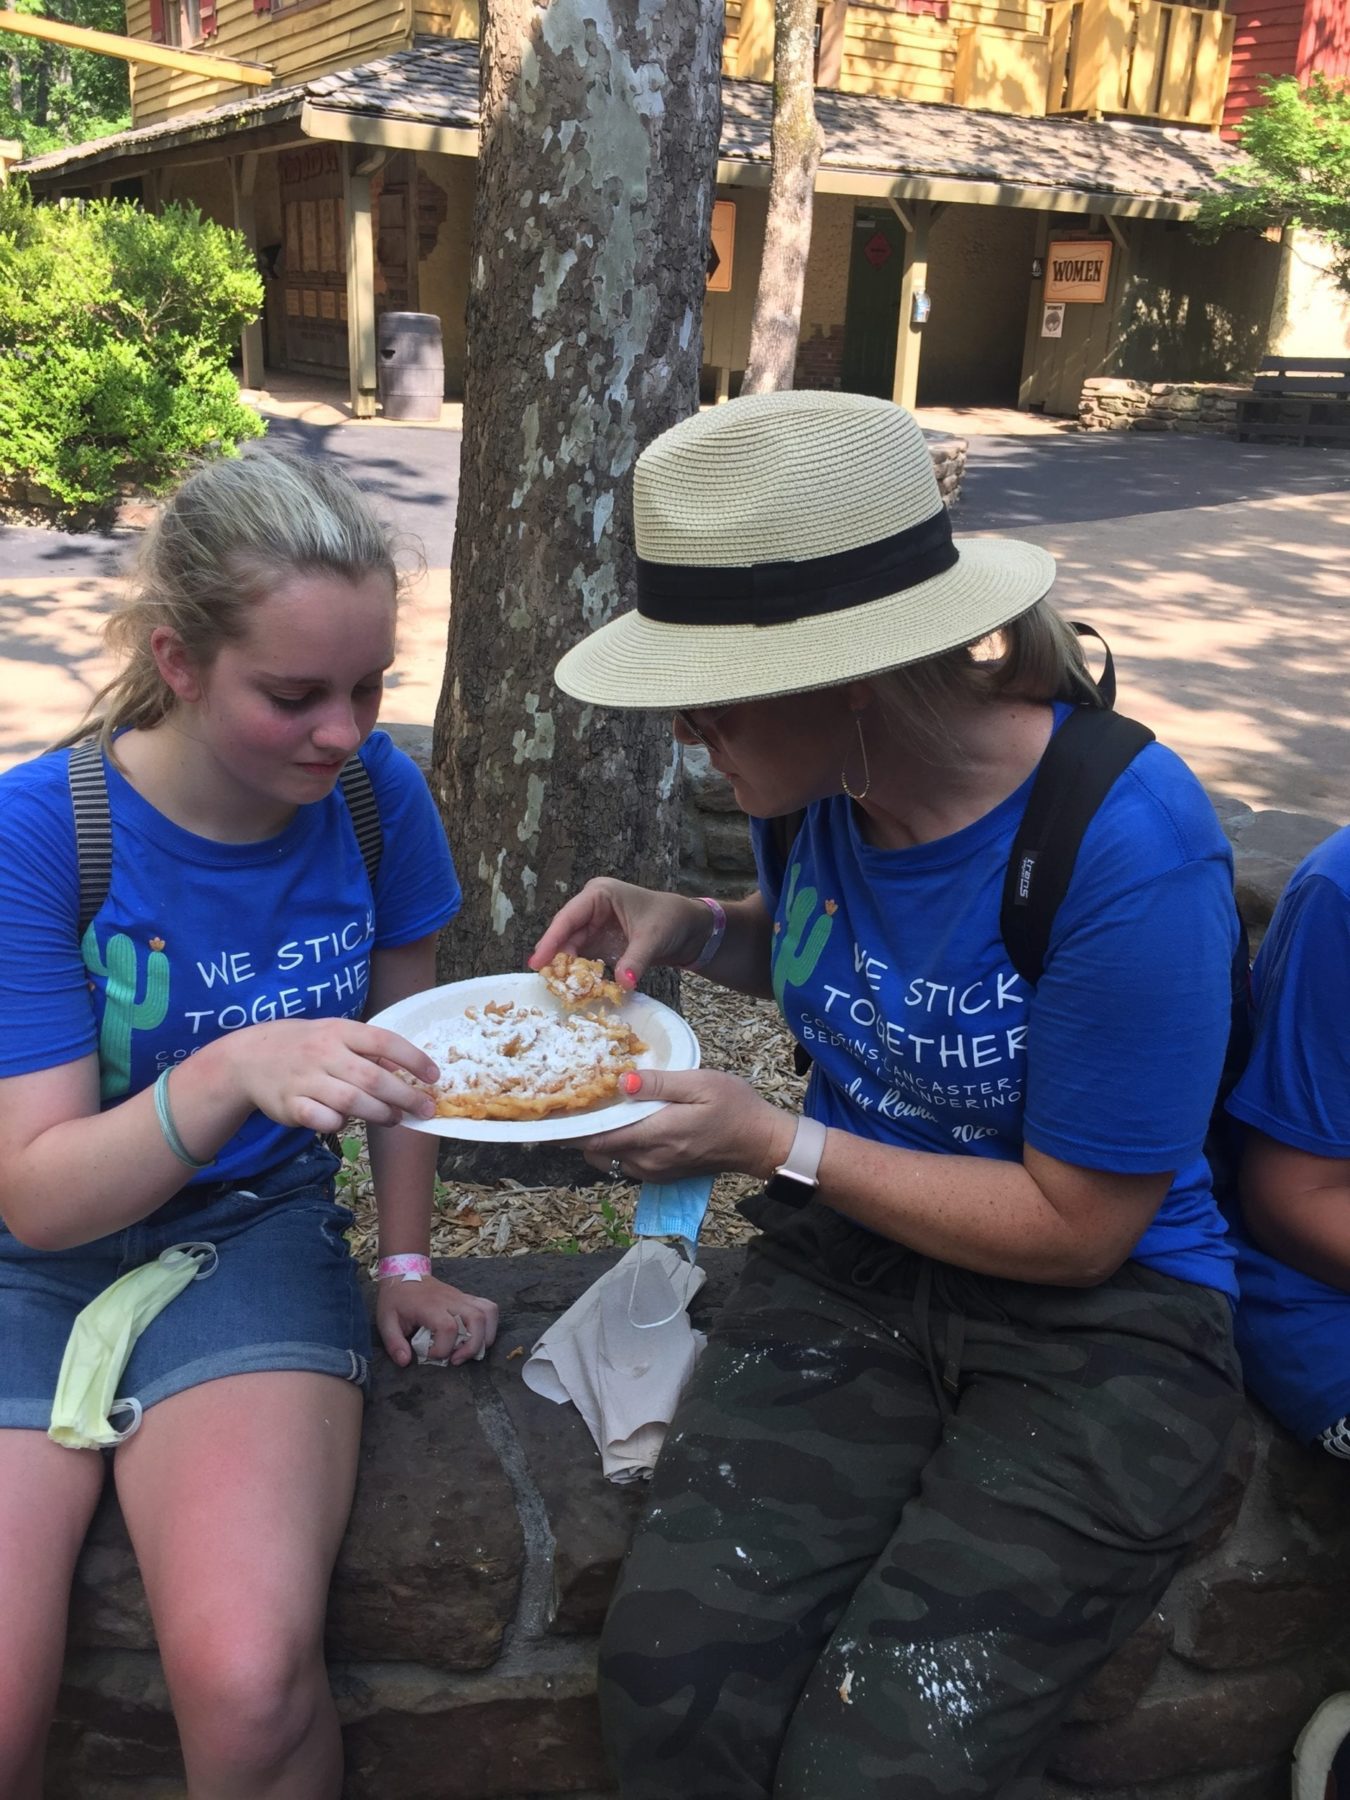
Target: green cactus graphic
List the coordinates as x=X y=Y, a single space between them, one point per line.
x=123 y=1013
x=794 y=961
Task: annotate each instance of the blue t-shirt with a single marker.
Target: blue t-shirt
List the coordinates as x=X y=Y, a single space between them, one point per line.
x=1294 y=1331
x=890 y=969
x=198 y=938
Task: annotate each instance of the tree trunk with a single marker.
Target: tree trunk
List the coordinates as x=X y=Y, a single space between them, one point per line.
x=591 y=223
x=796 y=148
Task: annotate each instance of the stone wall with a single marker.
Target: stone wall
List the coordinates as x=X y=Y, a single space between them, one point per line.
x=484 y=1543
x=1109 y=403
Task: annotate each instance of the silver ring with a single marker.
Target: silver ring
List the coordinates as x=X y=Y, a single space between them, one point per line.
x=615 y=1169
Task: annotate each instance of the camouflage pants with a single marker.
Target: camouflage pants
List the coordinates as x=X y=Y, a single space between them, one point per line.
x=903 y=1513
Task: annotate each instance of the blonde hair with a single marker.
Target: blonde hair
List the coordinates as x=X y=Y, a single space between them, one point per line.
x=1037 y=657
x=223 y=542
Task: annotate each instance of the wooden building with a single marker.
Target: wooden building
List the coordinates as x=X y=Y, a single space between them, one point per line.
x=1301 y=38
x=965 y=140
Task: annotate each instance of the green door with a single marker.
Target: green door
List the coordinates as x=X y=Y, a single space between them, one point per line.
x=872 y=314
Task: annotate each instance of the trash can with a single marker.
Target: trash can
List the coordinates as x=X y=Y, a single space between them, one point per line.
x=411 y=365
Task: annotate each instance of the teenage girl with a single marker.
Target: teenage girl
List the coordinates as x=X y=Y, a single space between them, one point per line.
x=168 y=1072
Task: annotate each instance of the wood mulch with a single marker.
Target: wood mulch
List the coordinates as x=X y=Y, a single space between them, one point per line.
x=746 y=1037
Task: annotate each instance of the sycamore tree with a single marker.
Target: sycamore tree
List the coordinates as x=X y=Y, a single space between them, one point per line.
x=795 y=156
x=592 y=209
x=1295 y=169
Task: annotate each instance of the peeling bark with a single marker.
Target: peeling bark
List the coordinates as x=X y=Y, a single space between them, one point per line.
x=591 y=220
x=796 y=146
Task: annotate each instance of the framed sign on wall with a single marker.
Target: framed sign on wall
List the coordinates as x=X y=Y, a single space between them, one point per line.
x=1077 y=270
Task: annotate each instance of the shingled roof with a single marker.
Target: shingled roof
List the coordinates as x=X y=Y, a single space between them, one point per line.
x=868 y=141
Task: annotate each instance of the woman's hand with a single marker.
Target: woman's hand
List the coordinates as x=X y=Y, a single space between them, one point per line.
x=461 y=1325
x=714 y=1124
x=318 y=1073
x=631 y=928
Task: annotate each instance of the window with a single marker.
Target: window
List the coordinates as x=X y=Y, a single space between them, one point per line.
x=183 y=23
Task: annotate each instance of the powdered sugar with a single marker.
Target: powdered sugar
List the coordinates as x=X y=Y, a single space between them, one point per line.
x=508 y=1056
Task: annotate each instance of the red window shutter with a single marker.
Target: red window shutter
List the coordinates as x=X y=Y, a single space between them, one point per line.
x=207 y=15
x=262 y=6
x=156 y=21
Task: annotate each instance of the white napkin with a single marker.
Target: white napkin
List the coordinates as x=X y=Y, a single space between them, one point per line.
x=622 y=1354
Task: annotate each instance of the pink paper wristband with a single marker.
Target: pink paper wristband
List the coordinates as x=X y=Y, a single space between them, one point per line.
x=403 y=1268
x=715 y=936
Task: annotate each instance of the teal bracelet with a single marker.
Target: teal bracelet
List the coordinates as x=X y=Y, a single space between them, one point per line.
x=170 y=1130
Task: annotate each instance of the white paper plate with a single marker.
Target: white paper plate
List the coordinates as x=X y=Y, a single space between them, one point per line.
x=670 y=1045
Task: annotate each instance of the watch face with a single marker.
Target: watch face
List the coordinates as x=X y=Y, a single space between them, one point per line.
x=789 y=1190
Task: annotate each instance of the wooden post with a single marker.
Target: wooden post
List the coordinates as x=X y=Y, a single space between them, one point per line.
x=1031 y=342
x=916 y=216
x=243 y=180
x=357 y=168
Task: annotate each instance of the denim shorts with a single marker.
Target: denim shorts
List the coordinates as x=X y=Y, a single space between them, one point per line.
x=283 y=1293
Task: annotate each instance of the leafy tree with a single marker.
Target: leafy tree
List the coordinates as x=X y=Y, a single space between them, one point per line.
x=116 y=328
x=55 y=97
x=1295 y=168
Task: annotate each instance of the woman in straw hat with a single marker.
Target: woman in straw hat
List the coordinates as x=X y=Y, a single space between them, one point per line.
x=967 y=1408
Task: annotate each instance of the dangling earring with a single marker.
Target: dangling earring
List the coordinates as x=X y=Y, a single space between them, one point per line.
x=867 y=773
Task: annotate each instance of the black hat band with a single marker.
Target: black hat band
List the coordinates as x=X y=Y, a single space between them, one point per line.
x=776 y=593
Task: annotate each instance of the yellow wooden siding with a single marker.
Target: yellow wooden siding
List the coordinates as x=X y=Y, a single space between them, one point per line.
x=446 y=18
x=1001 y=71
x=730 y=33
x=1010 y=15
x=1138 y=58
x=897 y=56
x=299 y=42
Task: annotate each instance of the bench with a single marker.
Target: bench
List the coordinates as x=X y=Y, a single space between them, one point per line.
x=1300 y=399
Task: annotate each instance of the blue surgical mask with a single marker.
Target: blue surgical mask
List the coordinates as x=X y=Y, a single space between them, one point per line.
x=673 y=1209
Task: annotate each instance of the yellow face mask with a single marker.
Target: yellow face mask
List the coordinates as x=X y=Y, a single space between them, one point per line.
x=100 y=1344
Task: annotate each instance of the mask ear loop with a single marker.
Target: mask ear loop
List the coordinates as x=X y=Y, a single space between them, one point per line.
x=646 y=1324
x=206 y=1254
x=208 y=1257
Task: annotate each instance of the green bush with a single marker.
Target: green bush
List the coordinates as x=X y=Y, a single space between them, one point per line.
x=116 y=328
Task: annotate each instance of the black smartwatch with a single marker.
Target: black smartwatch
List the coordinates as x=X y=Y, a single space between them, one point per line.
x=795 y=1181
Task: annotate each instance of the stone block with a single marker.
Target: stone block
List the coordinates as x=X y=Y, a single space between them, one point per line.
x=1270 y=848
x=1249 y=1618
x=1234 y=815
x=414 y=741
x=707 y=787
x=726 y=844
x=1309 y=1486
x=1116 y=1687
x=530 y=1728
x=430 y=1567
x=1246 y=1721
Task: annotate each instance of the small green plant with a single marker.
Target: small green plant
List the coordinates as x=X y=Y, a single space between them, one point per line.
x=613 y=1230
x=116 y=329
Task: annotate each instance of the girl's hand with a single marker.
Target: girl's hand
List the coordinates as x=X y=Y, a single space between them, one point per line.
x=318 y=1073
x=461 y=1325
x=632 y=928
x=714 y=1124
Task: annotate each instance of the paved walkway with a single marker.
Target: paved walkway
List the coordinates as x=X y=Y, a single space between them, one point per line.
x=1218 y=571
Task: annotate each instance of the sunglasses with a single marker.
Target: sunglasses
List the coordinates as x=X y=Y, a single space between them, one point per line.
x=711 y=715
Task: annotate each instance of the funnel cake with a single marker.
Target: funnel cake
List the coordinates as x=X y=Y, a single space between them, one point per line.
x=502 y=1061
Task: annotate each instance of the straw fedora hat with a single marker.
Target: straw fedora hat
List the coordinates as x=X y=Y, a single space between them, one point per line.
x=790 y=541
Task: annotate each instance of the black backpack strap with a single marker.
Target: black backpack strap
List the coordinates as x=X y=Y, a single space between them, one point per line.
x=1081 y=764
x=359 y=792
x=93 y=827
x=1106 y=681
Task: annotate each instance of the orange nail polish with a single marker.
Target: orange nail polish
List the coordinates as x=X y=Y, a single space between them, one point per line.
x=631 y=1083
